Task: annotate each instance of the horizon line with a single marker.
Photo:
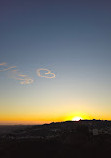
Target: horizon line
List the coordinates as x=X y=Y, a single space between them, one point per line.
x=22 y=124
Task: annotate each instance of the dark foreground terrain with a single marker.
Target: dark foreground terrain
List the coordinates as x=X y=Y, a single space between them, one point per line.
x=58 y=140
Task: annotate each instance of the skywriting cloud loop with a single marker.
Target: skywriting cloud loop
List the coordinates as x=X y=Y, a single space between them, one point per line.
x=45 y=73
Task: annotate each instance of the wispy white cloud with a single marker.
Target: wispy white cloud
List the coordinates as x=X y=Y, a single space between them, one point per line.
x=27 y=81
x=22 y=75
x=45 y=73
x=2 y=64
x=24 y=79
x=5 y=67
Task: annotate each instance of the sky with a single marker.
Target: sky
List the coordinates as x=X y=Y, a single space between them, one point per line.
x=55 y=60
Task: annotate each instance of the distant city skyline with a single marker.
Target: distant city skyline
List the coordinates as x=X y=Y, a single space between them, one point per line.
x=55 y=61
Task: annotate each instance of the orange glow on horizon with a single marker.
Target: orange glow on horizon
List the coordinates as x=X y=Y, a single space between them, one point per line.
x=45 y=118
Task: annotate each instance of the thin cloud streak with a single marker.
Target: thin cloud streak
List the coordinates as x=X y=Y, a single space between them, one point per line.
x=2 y=64
x=6 y=69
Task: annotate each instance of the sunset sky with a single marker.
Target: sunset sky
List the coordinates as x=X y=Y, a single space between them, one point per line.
x=55 y=60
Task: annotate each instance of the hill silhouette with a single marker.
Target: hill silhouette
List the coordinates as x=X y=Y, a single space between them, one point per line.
x=58 y=140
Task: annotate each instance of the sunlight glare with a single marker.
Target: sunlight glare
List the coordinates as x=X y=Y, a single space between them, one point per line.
x=76 y=118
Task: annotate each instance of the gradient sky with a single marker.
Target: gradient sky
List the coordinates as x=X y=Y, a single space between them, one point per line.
x=72 y=41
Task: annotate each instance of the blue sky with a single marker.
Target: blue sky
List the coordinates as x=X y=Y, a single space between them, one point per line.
x=71 y=39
